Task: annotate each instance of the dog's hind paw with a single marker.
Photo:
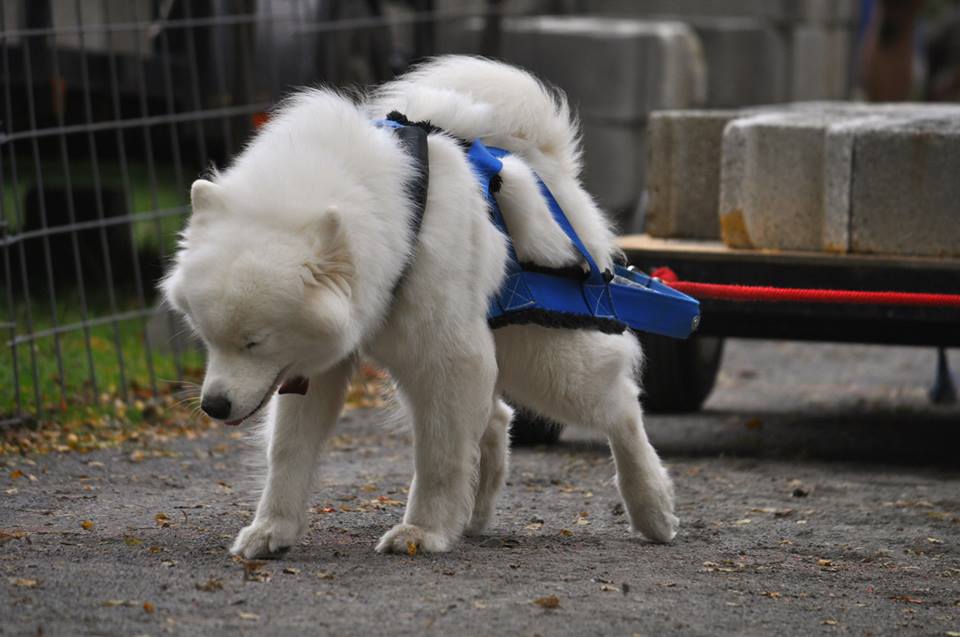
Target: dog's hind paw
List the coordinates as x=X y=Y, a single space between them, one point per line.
x=266 y=538
x=658 y=526
x=410 y=539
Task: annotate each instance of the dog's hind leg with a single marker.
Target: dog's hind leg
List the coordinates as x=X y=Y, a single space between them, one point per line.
x=301 y=425
x=449 y=388
x=494 y=447
x=587 y=378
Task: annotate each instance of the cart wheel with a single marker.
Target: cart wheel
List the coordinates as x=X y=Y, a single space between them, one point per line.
x=529 y=429
x=678 y=375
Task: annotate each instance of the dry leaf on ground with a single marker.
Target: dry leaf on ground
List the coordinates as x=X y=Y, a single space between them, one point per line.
x=550 y=602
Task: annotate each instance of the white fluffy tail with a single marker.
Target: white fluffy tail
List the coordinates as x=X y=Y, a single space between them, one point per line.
x=474 y=98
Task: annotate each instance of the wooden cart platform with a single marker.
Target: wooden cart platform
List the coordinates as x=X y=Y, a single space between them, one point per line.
x=713 y=262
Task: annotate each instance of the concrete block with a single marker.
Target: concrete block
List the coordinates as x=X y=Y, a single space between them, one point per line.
x=683 y=175
x=727 y=43
x=611 y=69
x=905 y=187
x=615 y=157
x=819 y=63
x=843 y=177
x=828 y=12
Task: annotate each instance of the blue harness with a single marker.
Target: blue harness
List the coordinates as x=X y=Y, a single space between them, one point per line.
x=569 y=298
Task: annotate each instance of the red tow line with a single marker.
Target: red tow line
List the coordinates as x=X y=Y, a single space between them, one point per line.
x=770 y=294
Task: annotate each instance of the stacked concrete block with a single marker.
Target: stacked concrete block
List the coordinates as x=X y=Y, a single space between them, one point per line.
x=615 y=72
x=746 y=59
x=831 y=177
x=763 y=51
x=683 y=180
x=823 y=12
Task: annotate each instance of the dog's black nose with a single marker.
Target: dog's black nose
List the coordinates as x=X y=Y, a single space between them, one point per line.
x=216 y=406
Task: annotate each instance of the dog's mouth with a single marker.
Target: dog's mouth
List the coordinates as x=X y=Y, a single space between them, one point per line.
x=294 y=385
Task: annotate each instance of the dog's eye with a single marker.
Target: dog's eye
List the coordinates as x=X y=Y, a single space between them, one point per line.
x=251 y=345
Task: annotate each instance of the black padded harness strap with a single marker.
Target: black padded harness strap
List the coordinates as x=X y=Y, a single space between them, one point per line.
x=413 y=139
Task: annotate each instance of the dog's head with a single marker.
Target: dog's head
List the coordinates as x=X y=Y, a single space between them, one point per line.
x=271 y=303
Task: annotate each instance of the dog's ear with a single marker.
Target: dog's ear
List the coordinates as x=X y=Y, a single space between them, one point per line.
x=331 y=262
x=206 y=199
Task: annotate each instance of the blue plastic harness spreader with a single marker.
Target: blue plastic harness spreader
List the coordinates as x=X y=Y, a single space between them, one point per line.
x=609 y=301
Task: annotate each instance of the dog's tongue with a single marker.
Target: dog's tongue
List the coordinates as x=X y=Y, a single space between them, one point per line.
x=296 y=385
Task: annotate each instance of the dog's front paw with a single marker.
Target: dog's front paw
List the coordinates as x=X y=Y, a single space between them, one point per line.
x=410 y=539
x=266 y=538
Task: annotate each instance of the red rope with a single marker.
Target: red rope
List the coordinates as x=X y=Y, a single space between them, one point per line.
x=802 y=295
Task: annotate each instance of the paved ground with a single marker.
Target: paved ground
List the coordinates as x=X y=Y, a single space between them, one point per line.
x=819 y=494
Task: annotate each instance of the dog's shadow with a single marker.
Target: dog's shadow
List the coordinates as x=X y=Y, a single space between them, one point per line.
x=927 y=437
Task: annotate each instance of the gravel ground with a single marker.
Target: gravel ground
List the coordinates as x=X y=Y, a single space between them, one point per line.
x=819 y=493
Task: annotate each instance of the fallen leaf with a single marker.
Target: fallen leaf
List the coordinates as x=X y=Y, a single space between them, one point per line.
x=549 y=602
x=130 y=540
x=290 y=570
x=210 y=585
x=325 y=575
x=822 y=562
x=252 y=571
x=16 y=474
x=23 y=582
x=830 y=622
x=12 y=535
x=113 y=603
x=87 y=525
x=162 y=519
x=743 y=521
x=566 y=532
x=606 y=588
x=772 y=594
x=149 y=608
x=534 y=526
x=934 y=540
x=412 y=549
x=253 y=617
x=906 y=598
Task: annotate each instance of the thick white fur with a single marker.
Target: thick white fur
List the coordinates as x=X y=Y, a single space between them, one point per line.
x=288 y=269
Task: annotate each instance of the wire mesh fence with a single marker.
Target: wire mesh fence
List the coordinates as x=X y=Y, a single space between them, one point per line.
x=110 y=108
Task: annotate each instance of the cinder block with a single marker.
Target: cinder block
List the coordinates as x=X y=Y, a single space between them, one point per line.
x=905 y=187
x=683 y=174
x=727 y=42
x=614 y=73
x=827 y=12
x=843 y=177
x=611 y=69
x=615 y=159
x=819 y=63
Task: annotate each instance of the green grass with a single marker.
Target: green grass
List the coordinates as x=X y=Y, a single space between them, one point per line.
x=92 y=355
x=168 y=194
x=74 y=397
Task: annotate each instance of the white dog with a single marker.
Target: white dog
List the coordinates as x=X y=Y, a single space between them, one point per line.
x=291 y=265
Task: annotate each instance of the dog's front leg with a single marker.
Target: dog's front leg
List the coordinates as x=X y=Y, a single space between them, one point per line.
x=451 y=401
x=301 y=425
